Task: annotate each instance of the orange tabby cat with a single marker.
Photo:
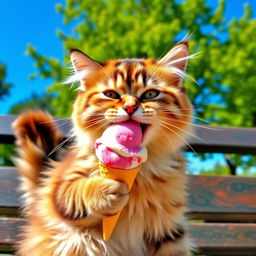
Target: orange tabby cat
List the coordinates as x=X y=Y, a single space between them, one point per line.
x=65 y=199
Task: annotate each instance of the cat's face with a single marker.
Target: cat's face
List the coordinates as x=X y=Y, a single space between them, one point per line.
x=147 y=91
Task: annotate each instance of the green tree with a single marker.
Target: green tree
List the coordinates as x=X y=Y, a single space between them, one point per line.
x=220 y=169
x=225 y=89
x=217 y=169
x=4 y=86
x=34 y=102
x=5 y=150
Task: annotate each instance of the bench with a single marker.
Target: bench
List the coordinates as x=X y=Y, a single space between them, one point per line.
x=222 y=209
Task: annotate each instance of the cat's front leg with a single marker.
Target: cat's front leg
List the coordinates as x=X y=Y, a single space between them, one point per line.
x=84 y=196
x=106 y=196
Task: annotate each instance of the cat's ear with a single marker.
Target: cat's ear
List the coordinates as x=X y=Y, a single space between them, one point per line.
x=83 y=66
x=176 y=60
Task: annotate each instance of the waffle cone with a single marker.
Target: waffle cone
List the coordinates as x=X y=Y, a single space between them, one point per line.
x=128 y=176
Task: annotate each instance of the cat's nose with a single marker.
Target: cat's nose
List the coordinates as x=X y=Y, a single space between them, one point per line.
x=130 y=109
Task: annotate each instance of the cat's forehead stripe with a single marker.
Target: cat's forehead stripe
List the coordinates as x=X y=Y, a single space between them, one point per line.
x=119 y=72
x=127 y=73
x=131 y=72
x=128 y=79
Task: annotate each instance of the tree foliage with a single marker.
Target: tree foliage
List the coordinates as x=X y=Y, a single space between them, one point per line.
x=34 y=102
x=5 y=150
x=225 y=89
x=4 y=86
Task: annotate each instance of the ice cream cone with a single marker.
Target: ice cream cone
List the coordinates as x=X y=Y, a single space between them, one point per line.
x=128 y=176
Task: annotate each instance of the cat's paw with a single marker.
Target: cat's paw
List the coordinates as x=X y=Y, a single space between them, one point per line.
x=105 y=196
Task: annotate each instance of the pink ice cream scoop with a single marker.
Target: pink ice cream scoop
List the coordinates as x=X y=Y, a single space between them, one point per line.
x=120 y=146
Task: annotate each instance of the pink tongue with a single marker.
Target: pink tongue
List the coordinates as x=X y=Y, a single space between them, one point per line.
x=128 y=134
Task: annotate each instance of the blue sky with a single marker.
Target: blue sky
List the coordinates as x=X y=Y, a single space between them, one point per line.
x=27 y=22
x=35 y=22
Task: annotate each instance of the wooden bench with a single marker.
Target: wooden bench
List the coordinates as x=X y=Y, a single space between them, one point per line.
x=222 y=209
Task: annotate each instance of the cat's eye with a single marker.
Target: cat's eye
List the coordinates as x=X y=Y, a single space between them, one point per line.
x=112 y=94
x=149 y=94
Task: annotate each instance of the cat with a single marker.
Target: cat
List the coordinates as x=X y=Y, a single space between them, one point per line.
x=64 y=196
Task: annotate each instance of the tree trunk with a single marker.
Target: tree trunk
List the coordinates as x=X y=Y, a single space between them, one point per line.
x=230 y=164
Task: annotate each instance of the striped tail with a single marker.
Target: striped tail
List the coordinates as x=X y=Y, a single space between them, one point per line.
x=36 y=136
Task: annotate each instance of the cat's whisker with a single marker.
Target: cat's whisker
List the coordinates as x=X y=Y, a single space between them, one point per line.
x=62 y=118
x=168 y=128
x=198 y=109
x=58 y=125
x=60 y=145
x=96 y=122
x=189 y=133
x=99 y=127
x=64 y=123
x=192 y=124
x=193 y=117
x=95 y=119
x=92 y=114
x=56 y=120
x=171 y=144
x=168 y=111
x=92 y=123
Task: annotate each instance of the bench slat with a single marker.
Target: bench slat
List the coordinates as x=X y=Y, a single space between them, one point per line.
x=9 y=230
x=209 y=197
x=222 y=197
x=224 y=140
x=226 y=239
x=10 y=197
x=212 y=139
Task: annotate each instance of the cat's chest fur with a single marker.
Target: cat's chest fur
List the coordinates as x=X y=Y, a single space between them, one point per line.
x=155 y=204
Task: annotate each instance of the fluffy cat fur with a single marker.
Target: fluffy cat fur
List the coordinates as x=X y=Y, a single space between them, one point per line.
x=64 y=196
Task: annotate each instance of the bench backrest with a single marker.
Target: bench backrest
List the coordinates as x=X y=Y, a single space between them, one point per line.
x=222 y=209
